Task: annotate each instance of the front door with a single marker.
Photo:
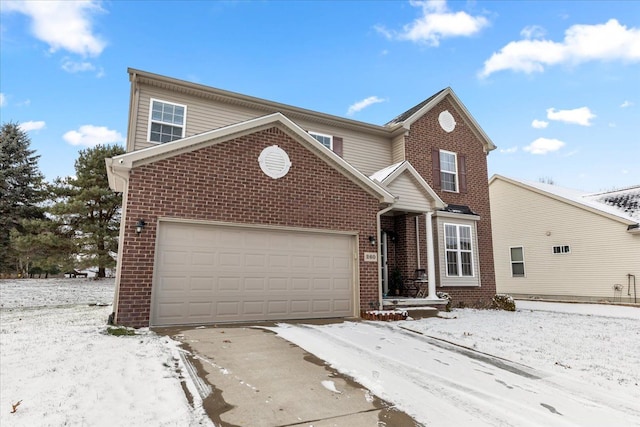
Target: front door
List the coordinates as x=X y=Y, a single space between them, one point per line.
x=385 y=266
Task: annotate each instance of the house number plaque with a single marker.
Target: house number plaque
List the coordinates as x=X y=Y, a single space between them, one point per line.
x=371 y=257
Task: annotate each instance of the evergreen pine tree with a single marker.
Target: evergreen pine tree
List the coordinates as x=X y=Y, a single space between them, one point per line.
x=88 y=206
x=21 y=189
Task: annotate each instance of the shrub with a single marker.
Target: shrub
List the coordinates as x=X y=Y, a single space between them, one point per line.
x=503 y=302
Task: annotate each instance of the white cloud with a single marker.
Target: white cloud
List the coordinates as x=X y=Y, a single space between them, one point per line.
x=626 y=104
x=90 y=135
x=582 y=43
x=31 y=125
x=509 y=150
x=533 y=32
x=361 y=105
x=544 y=146
x=63 y=25
x=436 y=23
x=539 y=124
x=74 y=67
x=3 y=100
x=579 y=116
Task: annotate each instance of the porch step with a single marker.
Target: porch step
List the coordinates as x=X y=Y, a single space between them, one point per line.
x=421 y=312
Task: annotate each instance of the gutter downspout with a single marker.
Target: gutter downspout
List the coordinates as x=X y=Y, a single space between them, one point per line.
x=379 y=237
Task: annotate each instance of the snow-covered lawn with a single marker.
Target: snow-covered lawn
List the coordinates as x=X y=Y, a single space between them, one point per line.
x=60 y=365
x=580 y=361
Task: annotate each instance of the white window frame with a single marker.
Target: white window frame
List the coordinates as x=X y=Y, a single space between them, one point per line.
x=151 y=121
x=323 y=135
x=458 y=250
x=524 y=268
x=454 y=173
x=562 y=249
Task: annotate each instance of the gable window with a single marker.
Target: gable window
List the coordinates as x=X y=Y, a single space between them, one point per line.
x=166 y=121
x=326 y=140
x=458 y=250
x=448 y=171
x=517 y=261
x=563 y=249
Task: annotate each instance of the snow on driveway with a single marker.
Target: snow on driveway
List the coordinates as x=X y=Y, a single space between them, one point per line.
x=58 y=362
x=480 y=367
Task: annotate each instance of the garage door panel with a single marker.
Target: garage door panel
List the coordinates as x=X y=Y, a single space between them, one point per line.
x=278 y=284
x=211 y=273
x=199 y=258
x=201 y=310
x=202 y=284
x=229 y=284
x=170 y=284
x=254 y=284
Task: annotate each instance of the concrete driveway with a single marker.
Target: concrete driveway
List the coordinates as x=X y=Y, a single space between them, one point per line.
x=259 y=379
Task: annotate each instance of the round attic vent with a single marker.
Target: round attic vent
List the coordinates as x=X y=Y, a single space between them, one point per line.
x=274 y=162
x=447 y=122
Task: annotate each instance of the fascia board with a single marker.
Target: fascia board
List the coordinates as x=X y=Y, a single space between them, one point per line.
x=448 y=91
x=407 y=167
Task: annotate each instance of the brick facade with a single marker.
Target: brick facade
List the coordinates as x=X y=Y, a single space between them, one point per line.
x=224 y=182
x=424 y=136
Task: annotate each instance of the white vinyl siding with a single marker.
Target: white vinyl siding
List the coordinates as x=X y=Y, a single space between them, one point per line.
x=398 y=148
x=366 y=152
x=448 y=171
x=410 y=198
x=166 y=121
x=522 y=217
x=517 y=261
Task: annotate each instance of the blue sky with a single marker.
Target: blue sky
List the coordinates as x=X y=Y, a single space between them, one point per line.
x=555 y=85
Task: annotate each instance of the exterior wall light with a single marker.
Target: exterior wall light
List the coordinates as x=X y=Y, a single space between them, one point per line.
x=372 y=240
x=140 y=225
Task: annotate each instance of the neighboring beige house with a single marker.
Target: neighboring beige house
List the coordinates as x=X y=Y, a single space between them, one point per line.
x=555 y=243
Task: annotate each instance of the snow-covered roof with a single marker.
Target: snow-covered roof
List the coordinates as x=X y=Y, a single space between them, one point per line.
x=382 y=174
x=623 y=204
x=626 y=200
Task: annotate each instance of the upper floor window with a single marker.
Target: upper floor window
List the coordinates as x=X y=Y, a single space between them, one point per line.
x=564 y=249
x=448 y=171
x=517 y=261
x=458 y=250
x=166 y=121
x=326 y=140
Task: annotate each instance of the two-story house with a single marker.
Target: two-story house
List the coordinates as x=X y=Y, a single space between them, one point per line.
x=237 y=208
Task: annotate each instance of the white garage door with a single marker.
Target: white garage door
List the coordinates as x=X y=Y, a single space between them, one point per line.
x=215 y=273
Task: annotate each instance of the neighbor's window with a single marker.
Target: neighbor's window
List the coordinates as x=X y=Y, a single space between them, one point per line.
x=458 y=250
x=564 y=249
x=517 y=261
x=448 y=171
x=167 y=121
x=325 y=140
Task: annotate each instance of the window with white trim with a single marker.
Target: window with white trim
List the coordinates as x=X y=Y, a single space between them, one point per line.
x=166 y=121
x=326 y=140
x=517 y=261
x=458 y=250
x=562 y=249
x=448 y=171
